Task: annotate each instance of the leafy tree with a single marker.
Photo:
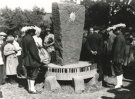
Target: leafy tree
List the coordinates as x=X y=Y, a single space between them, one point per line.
x=13 y=20
x=109 y=12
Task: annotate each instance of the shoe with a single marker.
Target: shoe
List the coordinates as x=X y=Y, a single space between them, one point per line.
x=118 y=87
x=108 y=85
x=33 y=92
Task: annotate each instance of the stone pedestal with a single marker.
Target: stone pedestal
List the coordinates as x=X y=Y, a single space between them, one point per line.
x=51 y=83
x=75 y=72
x=78 y=83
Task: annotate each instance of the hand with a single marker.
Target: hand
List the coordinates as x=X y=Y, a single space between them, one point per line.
x=94 y=52
x=110 y=61
x=13 y=52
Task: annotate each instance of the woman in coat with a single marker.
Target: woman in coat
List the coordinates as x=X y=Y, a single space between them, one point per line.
x=10 y=52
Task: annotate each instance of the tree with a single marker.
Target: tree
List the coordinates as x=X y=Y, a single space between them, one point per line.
x=13 y=20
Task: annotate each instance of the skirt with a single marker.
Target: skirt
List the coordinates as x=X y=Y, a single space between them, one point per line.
x=53 y=56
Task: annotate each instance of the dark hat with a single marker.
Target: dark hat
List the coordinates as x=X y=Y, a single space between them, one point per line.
x=30 y=31
x=16 y=33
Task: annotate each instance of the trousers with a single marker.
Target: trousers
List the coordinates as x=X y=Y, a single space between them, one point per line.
x=118 y=68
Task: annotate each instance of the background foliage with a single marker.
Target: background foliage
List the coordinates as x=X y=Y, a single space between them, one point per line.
x=102 y=13
x=13 y=20
x=109 y=12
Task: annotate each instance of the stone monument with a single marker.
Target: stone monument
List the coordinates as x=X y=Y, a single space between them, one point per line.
x=68 y=23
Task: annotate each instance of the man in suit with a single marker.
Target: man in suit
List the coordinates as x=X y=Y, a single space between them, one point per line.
x=118 y=50
x=94 y=44
x=31 y=59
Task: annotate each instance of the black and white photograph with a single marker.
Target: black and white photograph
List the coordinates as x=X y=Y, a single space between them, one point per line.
x=67 y=49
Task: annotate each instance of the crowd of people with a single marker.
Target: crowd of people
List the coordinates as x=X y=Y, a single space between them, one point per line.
x=22 y=55
x=112 y=48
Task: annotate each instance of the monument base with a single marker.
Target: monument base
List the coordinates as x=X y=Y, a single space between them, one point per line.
x=67 y=72
x=75 y=72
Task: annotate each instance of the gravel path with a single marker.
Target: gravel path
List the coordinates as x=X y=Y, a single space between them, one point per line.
x=67 y=92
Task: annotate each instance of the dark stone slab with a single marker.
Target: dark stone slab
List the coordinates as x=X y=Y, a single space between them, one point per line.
x=68 y=23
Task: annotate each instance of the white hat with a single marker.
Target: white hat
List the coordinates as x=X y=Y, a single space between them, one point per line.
x=26 y=28
x=2 y=34
x=10 y=38
x=37 y=29
x=116 y=26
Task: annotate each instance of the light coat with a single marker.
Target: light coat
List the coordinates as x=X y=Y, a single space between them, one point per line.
x=11 y=59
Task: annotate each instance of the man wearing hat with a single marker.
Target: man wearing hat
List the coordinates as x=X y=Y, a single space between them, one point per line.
x=118 y=50
x=94 y=44
x=31 y=59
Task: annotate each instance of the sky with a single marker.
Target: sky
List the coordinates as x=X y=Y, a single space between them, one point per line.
x=28 y=4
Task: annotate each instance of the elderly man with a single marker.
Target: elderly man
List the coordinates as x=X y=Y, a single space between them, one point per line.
x=94 y=44
x=118 y=50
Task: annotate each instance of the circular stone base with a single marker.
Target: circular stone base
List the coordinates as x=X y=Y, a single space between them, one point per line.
x=67 y=72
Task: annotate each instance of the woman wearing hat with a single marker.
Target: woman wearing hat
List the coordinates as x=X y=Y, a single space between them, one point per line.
x=49 y=44
x=11 y=59
x=43 y=54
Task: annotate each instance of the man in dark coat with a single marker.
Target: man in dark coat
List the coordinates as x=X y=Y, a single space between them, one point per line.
x=94 y=44
x=31 y=59
x=118 y=50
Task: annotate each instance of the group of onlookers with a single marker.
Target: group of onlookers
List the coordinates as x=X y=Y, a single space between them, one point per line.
x=22 y=55
x=111 y=48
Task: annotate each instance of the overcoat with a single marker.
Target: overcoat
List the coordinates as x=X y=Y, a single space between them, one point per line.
x=11 y=59
x=30 y=52
x=118 y=48
x=95 y=43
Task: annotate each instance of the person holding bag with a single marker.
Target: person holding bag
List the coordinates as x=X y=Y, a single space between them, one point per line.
x=43 y=54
